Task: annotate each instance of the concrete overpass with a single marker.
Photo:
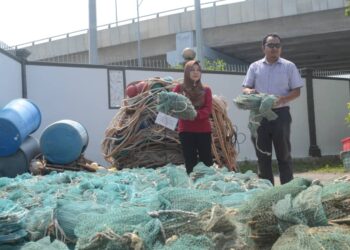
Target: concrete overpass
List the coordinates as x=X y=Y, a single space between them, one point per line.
x=315 y=33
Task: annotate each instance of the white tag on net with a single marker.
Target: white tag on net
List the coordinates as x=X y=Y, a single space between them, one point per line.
x=166 y=121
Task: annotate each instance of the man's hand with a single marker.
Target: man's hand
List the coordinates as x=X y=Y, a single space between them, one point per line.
x=281 y=100
x=249 y=91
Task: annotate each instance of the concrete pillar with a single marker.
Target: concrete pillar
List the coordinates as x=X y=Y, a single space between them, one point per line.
x=183 y=40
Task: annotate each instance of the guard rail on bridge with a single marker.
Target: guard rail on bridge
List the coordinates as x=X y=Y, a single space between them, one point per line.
x=122 y=22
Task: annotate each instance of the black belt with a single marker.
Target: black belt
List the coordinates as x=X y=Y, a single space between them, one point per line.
x=281 y=108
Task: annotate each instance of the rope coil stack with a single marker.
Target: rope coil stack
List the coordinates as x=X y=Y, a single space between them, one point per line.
x=133 y=139
x=223 y=135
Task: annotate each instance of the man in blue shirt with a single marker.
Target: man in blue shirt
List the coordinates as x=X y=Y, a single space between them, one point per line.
x=277 y=76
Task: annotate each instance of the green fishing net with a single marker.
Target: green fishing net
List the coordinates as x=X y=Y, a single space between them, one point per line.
x=336 y=200
x=187 y=241
x=163 y=208
x=258 y=212
x=260 y=106
x=315 y=238
x=11 y=221
x=176 y=105
x=45 y=244
x=306 y=209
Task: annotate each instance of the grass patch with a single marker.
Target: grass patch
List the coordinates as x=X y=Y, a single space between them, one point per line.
x=331 y=169
x=324 y=164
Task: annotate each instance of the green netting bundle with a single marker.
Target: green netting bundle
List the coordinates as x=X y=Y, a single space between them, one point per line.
x=258 y=213
x=112 y=230
x=335 y=199
x=174 y=198
x=66 y=217
x=176 y=175
x=235 y=188
x=215 y=226
x=176 y=105
x=260 y=106
x=306 y=209
x=187 y=241
x=258 y=102
x=109 y=240
x=45 y=244
x=11 y=222
x=112 y=210
x=38 y=221
x=263 y=201
x=314 y=238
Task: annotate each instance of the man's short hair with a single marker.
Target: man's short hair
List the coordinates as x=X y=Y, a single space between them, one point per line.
x=272 y=35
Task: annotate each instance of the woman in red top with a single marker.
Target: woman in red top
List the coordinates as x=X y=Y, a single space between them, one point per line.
x=195 y=135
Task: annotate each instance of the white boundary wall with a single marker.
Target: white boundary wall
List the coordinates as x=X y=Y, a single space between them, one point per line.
x=82 y=94
x=10 y=79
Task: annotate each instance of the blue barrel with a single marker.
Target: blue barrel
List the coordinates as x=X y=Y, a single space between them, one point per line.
x=63 y=142
x=18 y=119
x=19 y=162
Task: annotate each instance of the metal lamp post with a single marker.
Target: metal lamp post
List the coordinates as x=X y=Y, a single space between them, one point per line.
x=116 y=13
x=93 y=54
x=139 y=60
x=197 y=4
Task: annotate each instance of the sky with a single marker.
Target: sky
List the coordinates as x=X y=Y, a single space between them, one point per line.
x=24 y=21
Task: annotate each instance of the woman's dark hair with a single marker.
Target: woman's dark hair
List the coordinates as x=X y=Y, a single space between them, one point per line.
x=272 y=35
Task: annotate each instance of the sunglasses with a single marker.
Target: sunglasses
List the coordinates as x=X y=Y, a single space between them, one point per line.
x=273 y=45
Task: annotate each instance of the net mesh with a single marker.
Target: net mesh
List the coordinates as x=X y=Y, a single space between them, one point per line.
x=164 y=208
x=177 y=105
x=306 y=209
x=336 y=200
x=257 y=212
x=303 y=237
x=11 y=222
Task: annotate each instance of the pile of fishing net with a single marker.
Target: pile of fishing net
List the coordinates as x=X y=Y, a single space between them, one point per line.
x=164 y=208
x=11 y=221
x=133 y=139
x=139 y=208
x=314 y=238
x=299 y=215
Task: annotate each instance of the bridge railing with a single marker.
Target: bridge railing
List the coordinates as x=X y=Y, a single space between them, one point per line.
x=345 y=74
x=123 y=22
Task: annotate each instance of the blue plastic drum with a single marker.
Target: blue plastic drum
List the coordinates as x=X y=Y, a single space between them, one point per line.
x=19 y=162
x=18 y=119
x=63 y=142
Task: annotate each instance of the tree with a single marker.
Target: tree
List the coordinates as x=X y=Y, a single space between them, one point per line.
x=215 y=65
x=347 y=117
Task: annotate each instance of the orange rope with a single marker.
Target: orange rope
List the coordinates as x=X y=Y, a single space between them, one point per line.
x=132 y=139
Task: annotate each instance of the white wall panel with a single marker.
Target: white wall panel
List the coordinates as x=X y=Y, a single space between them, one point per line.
x=81 y=94
x=331 y=97
x=10 y=79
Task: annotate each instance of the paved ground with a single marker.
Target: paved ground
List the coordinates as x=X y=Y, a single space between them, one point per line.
x=323 y=177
